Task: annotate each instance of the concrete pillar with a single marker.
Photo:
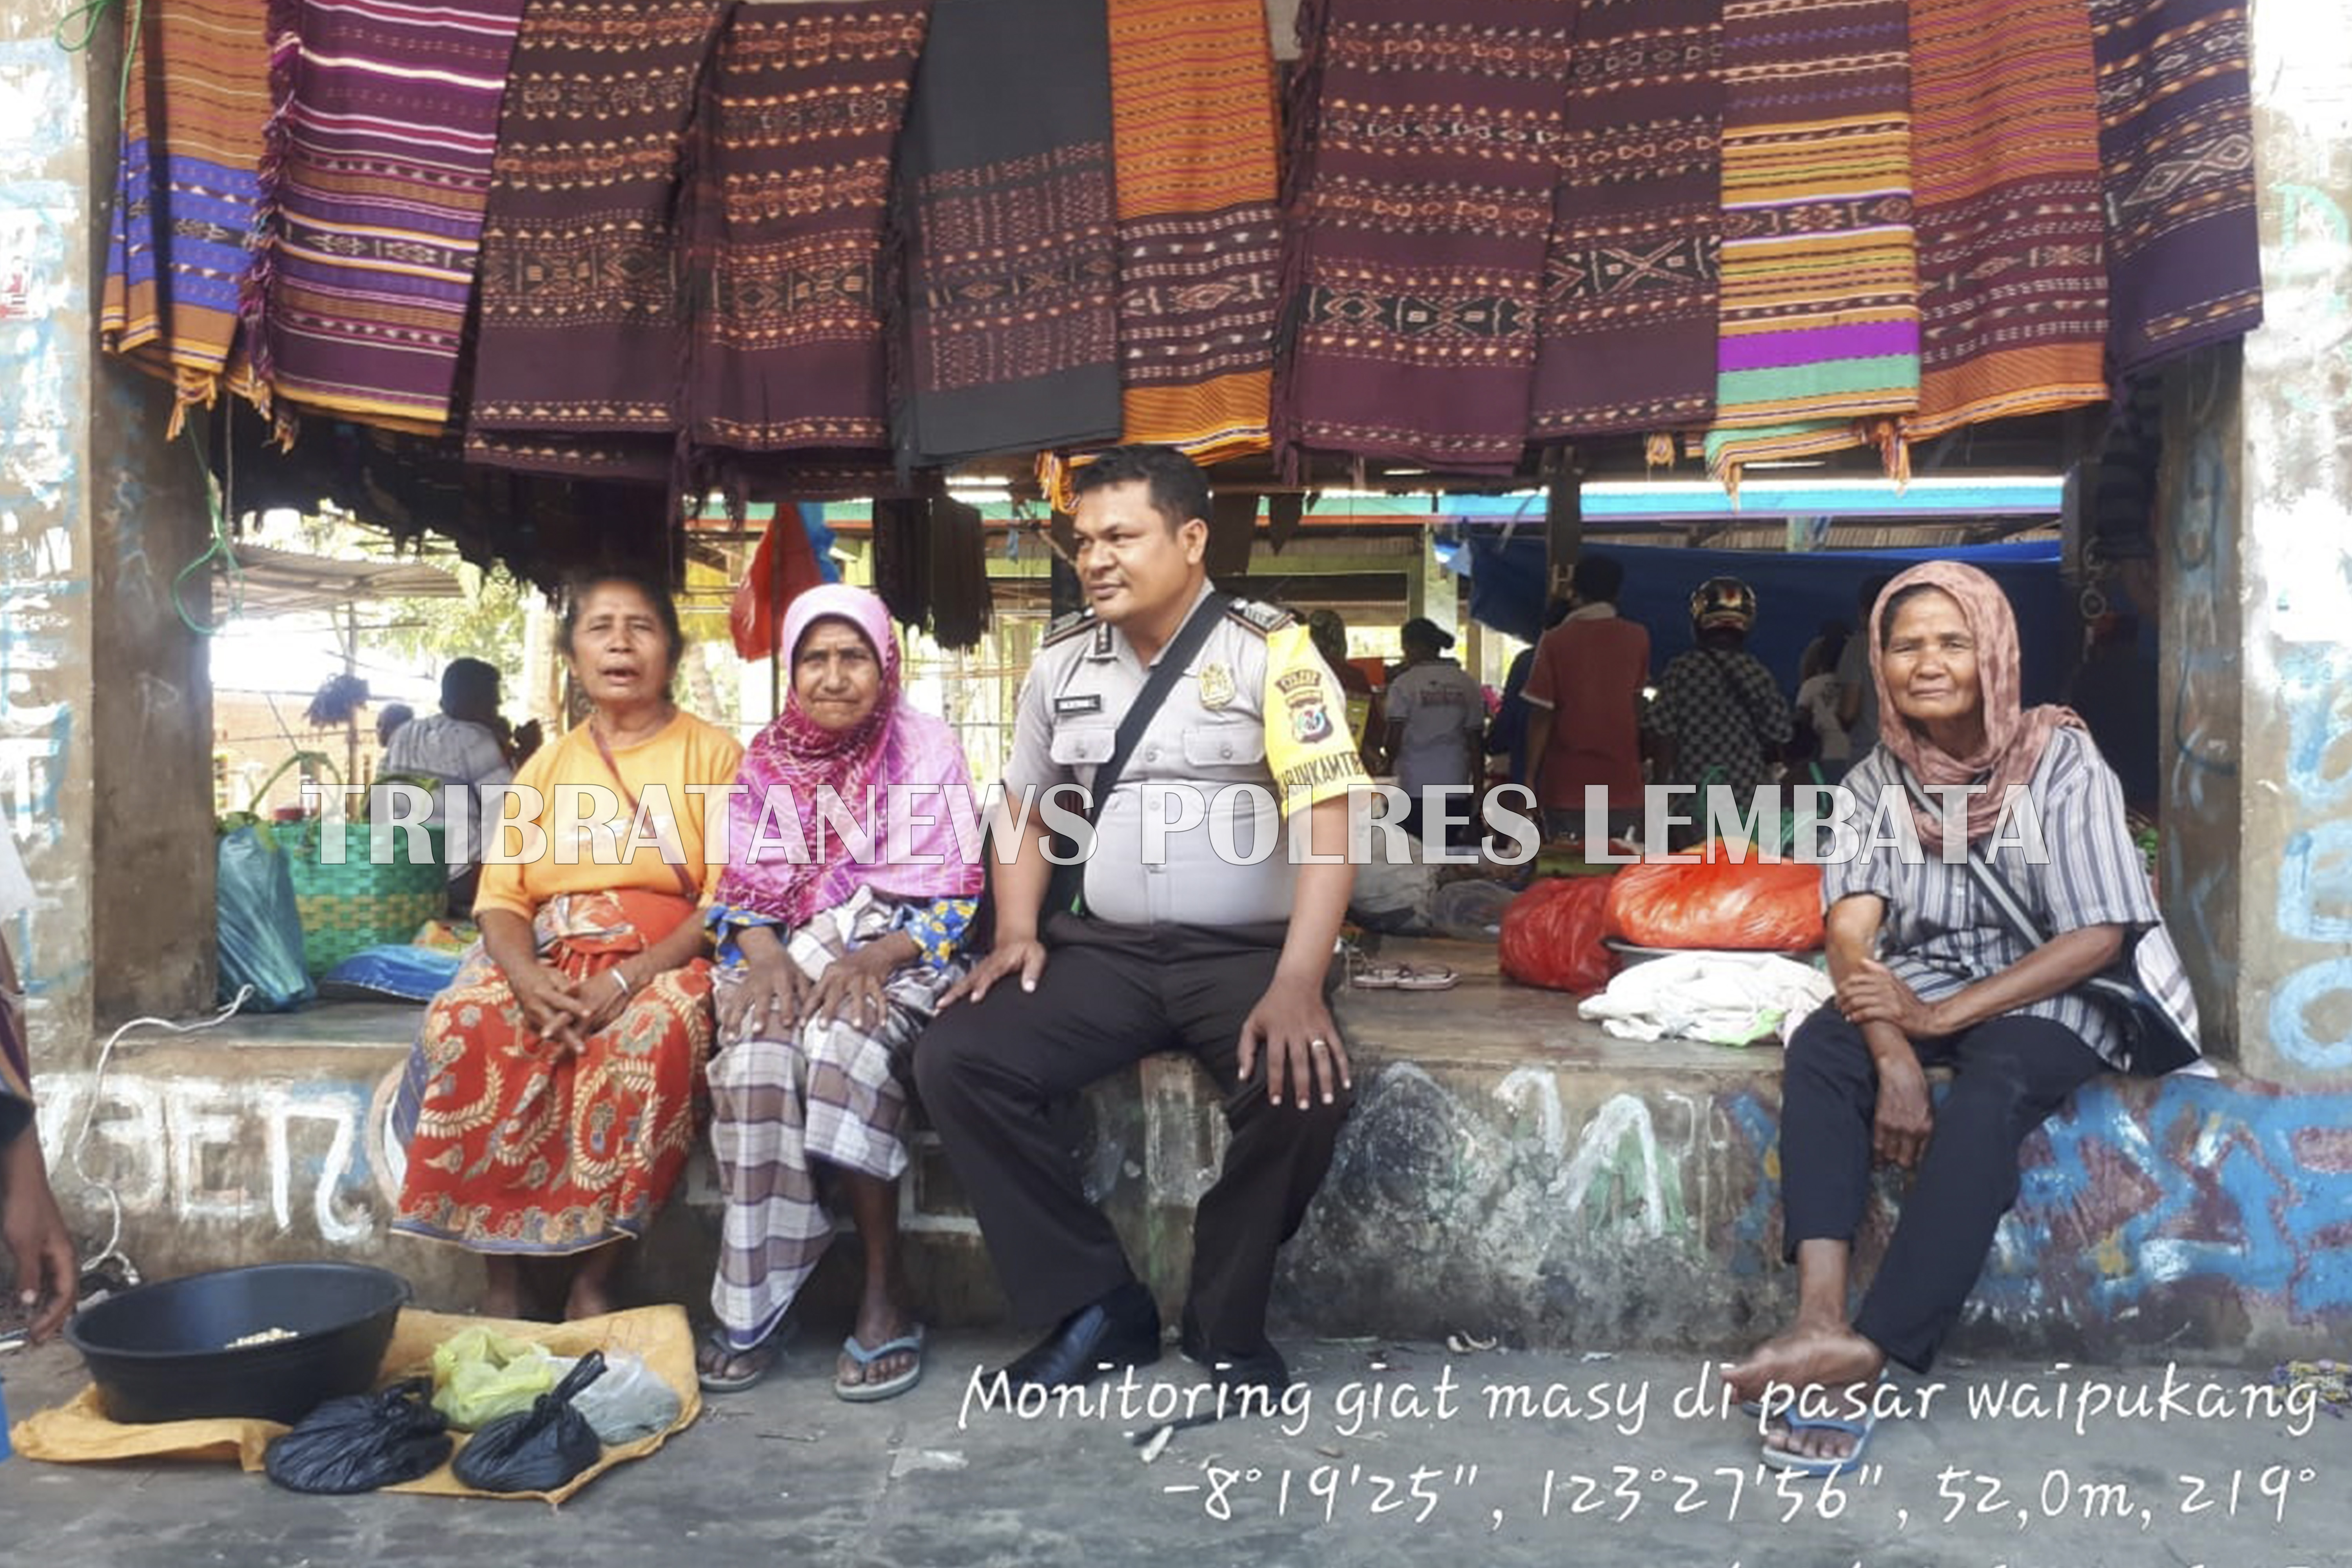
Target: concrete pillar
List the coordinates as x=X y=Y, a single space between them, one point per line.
x=47 y=555
x=2292 y=451
x=105 y=709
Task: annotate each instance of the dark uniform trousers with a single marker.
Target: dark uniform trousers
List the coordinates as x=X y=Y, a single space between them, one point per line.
x=2009 y=1075
x=992 y=1074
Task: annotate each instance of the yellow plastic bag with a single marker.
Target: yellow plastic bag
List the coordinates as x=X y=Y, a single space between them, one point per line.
x=478 y=1376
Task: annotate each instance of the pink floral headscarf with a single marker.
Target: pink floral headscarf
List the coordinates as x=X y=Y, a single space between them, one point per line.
x=893 y=746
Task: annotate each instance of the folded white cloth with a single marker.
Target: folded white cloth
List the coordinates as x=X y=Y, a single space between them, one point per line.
x=1725 y=998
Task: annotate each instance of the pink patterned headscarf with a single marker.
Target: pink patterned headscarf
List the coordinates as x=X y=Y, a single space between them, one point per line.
x=2014 y=737
x=892 y=746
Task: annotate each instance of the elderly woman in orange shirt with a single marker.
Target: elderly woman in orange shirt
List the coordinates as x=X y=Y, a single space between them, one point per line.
x=552 y=1091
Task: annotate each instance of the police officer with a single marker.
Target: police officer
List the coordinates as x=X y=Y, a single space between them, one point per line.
x=1176 y=946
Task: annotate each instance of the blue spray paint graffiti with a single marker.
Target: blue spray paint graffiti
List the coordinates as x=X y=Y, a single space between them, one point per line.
x=2315 y=896
x=2314 y=899
x=2139 y=1189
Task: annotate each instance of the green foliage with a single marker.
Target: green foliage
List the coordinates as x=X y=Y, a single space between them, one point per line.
x=487 y=624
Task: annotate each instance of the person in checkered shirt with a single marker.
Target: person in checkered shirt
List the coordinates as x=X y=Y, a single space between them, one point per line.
x=1719 y=718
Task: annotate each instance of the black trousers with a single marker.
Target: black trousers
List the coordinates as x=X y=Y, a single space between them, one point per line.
x=2009 y=1075
x=992 y=1075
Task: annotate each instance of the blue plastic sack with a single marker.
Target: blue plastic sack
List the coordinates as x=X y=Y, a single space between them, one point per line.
x=260 y=926
x=399 y=971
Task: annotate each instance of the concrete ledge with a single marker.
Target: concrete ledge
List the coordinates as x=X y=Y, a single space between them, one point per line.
x=1510 y=1171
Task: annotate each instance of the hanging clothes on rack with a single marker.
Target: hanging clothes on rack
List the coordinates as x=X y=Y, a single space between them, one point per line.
x=1628 y=327
x=383 y=126
x=1820 y=325
x=682 y=264
x=2005 y=170
x=2176 y=147
x=1422 y=168
x=187 y=192
x=1196 y=141
x=1007 y=337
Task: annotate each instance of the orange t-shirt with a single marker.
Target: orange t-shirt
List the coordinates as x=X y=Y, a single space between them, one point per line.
x=1590 y=671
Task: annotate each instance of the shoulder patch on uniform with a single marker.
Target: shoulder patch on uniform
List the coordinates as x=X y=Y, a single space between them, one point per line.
x=1068 y=627
x=1262 y=619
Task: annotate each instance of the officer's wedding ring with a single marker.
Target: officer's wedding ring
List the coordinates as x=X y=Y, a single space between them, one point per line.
x=1318 y=1045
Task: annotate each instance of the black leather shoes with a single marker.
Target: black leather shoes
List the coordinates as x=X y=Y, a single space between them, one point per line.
x=1263 y=1368
x=1122 y=1330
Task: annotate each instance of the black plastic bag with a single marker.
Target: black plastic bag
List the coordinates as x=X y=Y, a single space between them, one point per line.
x=538 y=1449
x=365 y=1441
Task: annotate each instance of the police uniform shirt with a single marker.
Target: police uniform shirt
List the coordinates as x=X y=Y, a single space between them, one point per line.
x=1257 y=706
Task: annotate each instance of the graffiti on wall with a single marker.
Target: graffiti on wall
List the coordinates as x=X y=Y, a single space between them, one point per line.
x=42 y=389
x=2314 y=874
x=221 y=1152
x=2202 y=761
x=1652 y=1213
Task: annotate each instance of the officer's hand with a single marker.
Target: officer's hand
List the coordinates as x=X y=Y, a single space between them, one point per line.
x=1303 y=1048
x=1024 y=958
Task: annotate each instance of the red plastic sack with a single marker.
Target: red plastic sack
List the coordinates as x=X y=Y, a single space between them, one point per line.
x=1551 y=935
x=1740 y=905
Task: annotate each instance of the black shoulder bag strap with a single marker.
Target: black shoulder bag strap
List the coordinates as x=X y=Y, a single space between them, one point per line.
x=1066 y=891
x=2154 y=1041
x=1993 y=884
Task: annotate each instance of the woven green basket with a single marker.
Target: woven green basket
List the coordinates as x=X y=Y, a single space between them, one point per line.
x=378 y=894
x=361 y=903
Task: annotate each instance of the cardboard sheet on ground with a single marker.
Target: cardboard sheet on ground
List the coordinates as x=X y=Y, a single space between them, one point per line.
x=79 y=1432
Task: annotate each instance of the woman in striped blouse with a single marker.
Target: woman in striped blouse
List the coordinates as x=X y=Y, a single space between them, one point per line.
x=1930 y=973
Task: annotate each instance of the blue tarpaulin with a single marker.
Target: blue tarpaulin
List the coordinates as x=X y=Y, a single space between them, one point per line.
x=1794 y=594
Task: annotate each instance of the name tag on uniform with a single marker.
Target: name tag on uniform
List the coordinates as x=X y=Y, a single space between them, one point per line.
x=1090 y=703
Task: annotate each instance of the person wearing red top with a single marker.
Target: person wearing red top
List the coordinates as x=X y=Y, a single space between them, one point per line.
x=1584 y=704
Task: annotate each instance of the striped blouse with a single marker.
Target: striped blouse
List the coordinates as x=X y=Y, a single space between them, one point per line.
x=1941 y=933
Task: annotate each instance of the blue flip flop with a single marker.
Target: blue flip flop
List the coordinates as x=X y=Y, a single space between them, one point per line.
x=1820 y=1465
x=867 y=1393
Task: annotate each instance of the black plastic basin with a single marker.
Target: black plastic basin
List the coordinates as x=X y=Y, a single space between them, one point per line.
x=161 y=1352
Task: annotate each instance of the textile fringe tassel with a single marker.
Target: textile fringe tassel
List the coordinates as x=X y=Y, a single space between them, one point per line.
x=1057 y=479
x=697 y=221
x=1894 y=449
x=284 y=32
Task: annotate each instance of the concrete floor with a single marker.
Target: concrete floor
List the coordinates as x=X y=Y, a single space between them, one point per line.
x=788 y=1475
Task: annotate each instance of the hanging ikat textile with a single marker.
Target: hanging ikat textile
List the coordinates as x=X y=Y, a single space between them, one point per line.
x=377 y=168
x=686 y=233
x=1195 y=140
x=2005 y=165
x=1820 y=325
x=1629 y=303
x=1424 y=157
x=2175 y=137
x=1008 y=335
x=187 y=190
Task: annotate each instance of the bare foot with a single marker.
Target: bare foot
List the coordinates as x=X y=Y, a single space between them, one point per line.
x=880 y=1319
x=1809 y=1355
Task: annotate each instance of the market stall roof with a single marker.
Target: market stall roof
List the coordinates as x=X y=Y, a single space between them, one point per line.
x=285 y=582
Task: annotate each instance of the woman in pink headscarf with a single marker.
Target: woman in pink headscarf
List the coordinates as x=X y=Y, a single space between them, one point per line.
x=838 y=920
x=1928 y=973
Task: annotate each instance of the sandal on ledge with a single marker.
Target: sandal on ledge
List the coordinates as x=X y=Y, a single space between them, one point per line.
x=1406 y=977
